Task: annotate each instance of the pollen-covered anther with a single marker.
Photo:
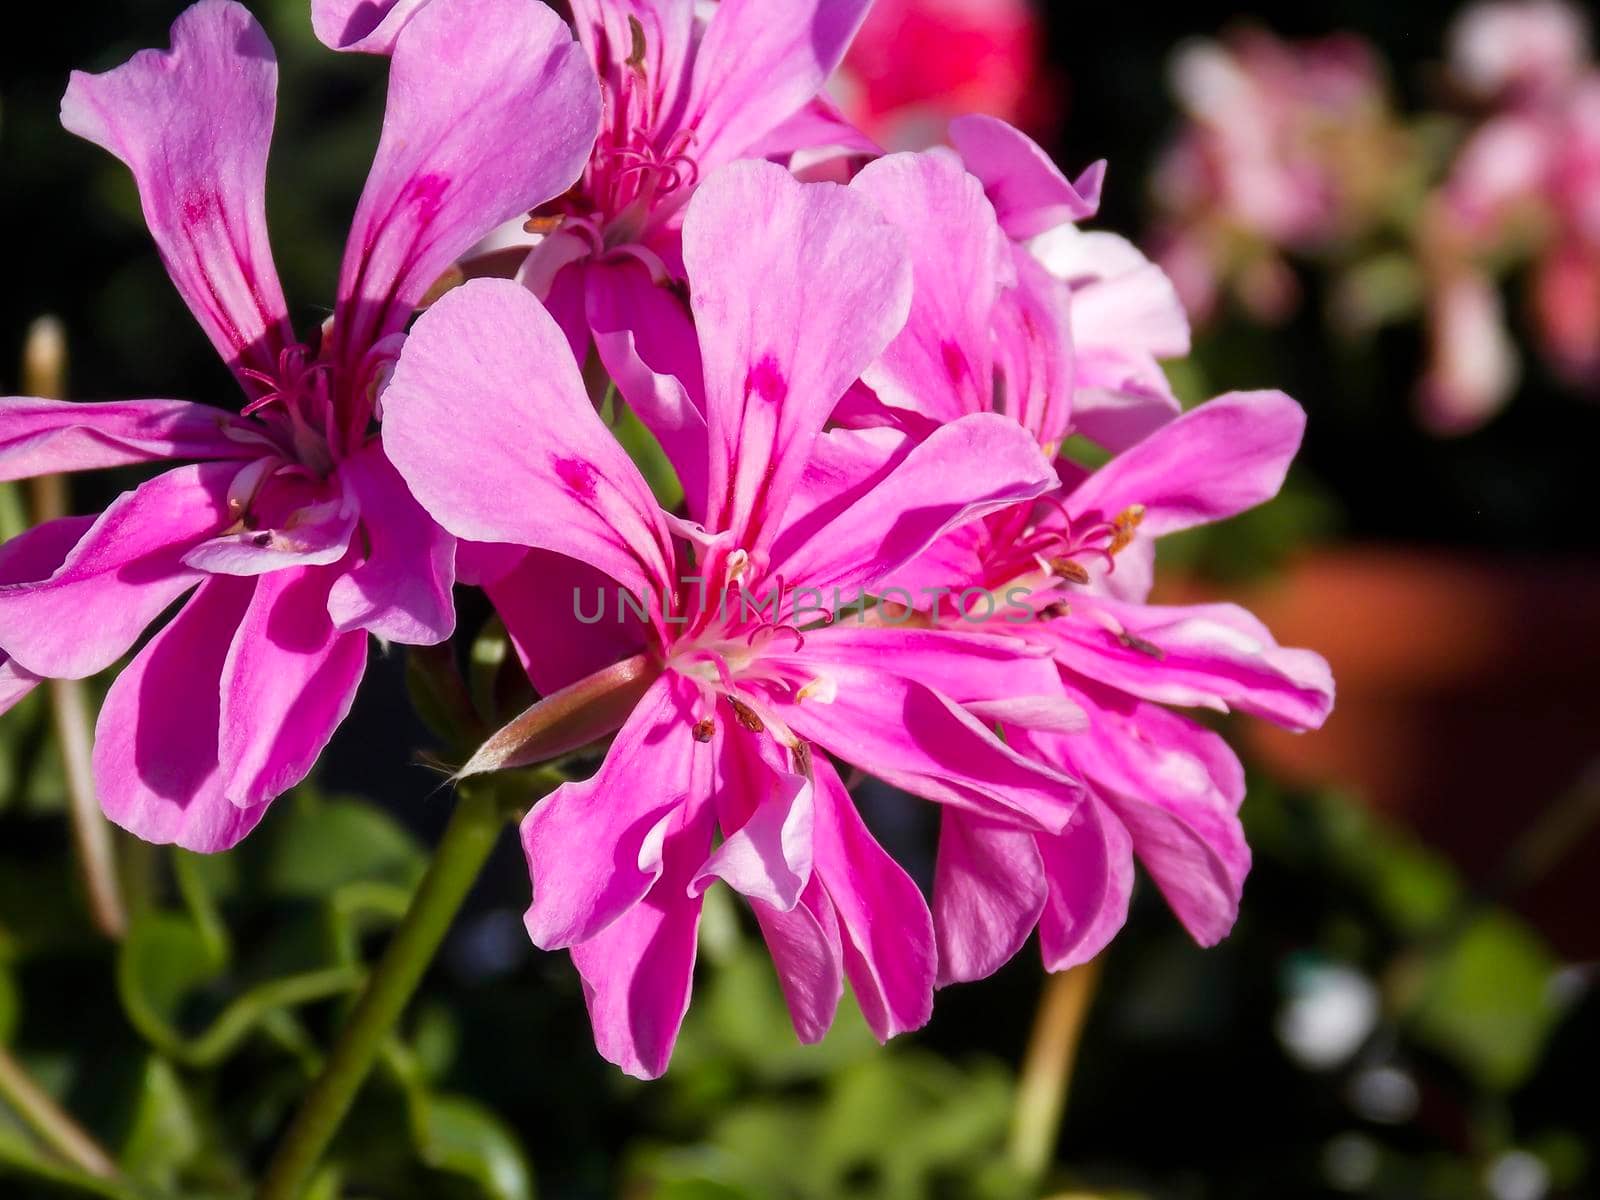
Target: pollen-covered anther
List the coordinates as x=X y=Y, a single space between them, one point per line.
x=705 y=730
x=1054 y=610
x=1123 y=527
x=746 y=716
x=821 y=690
x=1070 y=570
x=1134 y=642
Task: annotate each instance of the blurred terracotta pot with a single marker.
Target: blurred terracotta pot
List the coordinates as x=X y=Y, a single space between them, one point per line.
x=1467 y=708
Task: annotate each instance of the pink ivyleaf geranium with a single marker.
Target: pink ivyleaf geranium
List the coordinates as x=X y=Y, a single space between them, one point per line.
x=292 y=531
x=735 y=677
x=1160 y=787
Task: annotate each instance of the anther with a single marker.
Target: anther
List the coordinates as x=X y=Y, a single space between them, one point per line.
x=746 y=715
x=1123 y=526
x=704 y=730
x=1134 y=642
x=1072 y=572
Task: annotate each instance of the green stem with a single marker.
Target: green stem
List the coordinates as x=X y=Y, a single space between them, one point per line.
x=474 y=828
x=1047 y=1067
x=49 y=1122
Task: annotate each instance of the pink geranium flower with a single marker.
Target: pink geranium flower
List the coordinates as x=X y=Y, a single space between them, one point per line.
x=685 y=90
x=1080 y=559
x=796 y=288
x=295 y=535
x=919 y=63
x=1527 y=177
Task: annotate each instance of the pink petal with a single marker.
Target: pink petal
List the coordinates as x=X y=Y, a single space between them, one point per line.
x=759 y=63
x=1029 y=192
x=819 y=286
x=287 y=684
x=1034 y=356
x=155 y=746
x=492 y=111
x=48 y=437
x=808 y=952
x=120 y=576
x=815 y=140
x=538 y=467
x=883 y=920
x=638 y=971
x=754 y=782
x=32 y=554
x=967 y=666
x=1211 y=655
x=295 y=522
x=1176 y=788
x=564 y=618
x=916 y=739
x=1217 y=460
x=766 y=818
x=605 y=27
x=15 y=684
x=401 y=592
x=366 y=26
x=595 y=848
x=988 y=892
x=1090 y=871
x=966 y=470
x=941 y=364
x=646 y=339
x=194 y=124
x=1120 y=399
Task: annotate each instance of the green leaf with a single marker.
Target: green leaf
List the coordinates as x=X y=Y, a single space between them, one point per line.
x=163 y=1135
x=166 y=970
x=318 y=846
x=462 y=1137
x=1485 y=999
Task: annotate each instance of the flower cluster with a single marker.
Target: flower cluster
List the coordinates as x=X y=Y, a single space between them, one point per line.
x=865 y=370
x=1297 y=151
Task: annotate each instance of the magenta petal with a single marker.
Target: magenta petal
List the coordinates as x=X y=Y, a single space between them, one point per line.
x=492 y=111
x=1090 y=871
x=194 y=124
x=988 y=892
x=366 y=26
x=1176 y=788
x=539 y=468
x=288 y=683
x=155 y=747
x=1035 y=361
x=1222 y=458
x=595 y=848
x=758 y=64
x=297 y=523
x=646 y=339
x=15 y=683
x=119 y=577
x=883 y=920
x=49 y=437
x=1029 y=192
x=564 y=618
x=819 y=286
x=965 y=470
x=605 y=27
x=941 y=363
x=765 y=810
x=638 y=971
x=401 y=591
x=916 y=739
x=967 y=666
x=808 y=953
x=1210 y=655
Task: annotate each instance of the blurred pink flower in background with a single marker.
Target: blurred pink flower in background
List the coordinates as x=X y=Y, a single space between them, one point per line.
x=1525 y=186
x=1287 y=148
x=918 y=63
